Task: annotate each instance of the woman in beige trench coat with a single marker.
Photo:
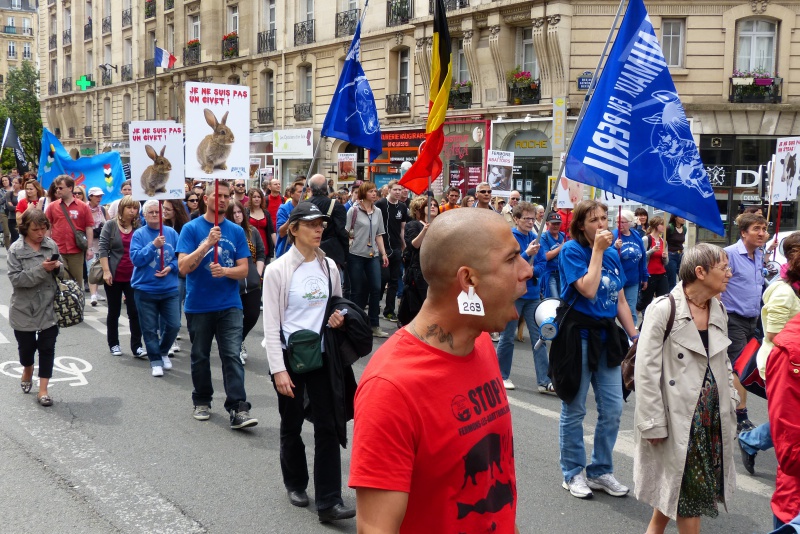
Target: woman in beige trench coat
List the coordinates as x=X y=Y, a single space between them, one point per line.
x=685 y=402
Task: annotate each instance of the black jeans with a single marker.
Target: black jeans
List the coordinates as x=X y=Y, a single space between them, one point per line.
x=327 y=459
x=45 y=342
x=740 y=330
x=657 y=285
x=389 y=278
x=114 y=294
x=251 y=310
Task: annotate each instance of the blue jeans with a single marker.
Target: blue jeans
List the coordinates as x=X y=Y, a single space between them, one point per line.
x=607 y=385
x=365 y=281
x=505 y=348
x=158 y=313
x=226 y=326
x=673 y=267
x=631 y=295
x=554 y=285
x=758 y=439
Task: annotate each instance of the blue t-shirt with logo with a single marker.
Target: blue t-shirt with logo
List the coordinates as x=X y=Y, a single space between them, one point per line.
x=204 y=293
x=634 y=259
x=573 y=264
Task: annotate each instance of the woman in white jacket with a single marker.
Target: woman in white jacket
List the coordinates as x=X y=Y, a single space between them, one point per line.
x=685 y=402
x=297 y=287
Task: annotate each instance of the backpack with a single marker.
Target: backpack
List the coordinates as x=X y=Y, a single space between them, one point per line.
x=629 y=363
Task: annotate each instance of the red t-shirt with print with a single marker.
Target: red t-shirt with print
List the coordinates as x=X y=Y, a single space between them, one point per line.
x=61 y=231
x=438 y=427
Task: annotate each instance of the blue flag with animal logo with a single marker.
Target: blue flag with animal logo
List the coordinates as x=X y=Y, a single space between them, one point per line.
x=103 y=170
x=352 y=115
x=635 y=140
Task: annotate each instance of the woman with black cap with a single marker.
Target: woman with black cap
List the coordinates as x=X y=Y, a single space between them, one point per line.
x=297 y=287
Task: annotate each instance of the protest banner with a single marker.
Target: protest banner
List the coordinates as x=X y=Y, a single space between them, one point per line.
x=499 y=168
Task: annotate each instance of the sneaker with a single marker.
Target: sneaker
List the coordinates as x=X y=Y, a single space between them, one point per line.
x=173 y=349
x=243 y=354
x=140 y=353
x=547 y=389
x=495 y=336
x=158 y=370
x=748 y=460
x=744 y=426
x=178 y=337
x=390 y=316
x=101 y=298
x=166 y=363
x=608 y=484
x=242 y=419
x=202 y=412
x=94 y=300
x=509 y=384
x=116 y=350
x=577 y=487
x=377 y=331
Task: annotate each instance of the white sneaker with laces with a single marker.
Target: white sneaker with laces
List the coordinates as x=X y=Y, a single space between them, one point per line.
x=509 y=384
x=158 y=371
x=377 y=331
x=94 y=300
x=577 y=487
x=141 y=353
x=116 y=350
x=609 y=484
x=166 y=363
x=173 y=349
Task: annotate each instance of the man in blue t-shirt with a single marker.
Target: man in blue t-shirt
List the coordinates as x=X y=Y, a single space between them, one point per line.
x=552 y=242
x=213 y=306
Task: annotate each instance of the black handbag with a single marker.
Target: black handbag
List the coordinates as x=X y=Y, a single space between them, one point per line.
x=304 y=347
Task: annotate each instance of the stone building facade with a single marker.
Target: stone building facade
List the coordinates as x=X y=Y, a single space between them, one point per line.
x=18 y=22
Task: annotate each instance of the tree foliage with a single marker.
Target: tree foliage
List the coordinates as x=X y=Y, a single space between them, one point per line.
x=21 y=103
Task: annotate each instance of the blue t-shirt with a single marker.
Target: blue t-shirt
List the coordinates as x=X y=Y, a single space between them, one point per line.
x=634 y=259
x=574 y=263
x=538 y=262
x=283 y=215
x=204 y=293
x=548 y=244
x=146 y=259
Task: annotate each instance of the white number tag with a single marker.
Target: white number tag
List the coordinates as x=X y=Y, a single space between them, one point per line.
x=470 y=304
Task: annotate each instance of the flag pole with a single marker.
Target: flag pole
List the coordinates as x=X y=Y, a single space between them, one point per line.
x=155 y=82
x=584 y=107
x=161 y=231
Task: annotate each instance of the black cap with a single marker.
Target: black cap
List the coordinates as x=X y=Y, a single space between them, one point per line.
x=554 y=217
x=306 y=211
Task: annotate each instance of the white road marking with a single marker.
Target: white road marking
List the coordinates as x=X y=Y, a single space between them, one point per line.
x=4 y=313
x=625 y=445
x=73 y=368
x=95 y=323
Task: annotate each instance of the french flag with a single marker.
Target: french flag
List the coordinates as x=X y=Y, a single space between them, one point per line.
x=164 y=59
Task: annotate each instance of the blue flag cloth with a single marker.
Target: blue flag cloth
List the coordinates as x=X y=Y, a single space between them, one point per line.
x=352 y=115
x=634 y=140
x=103 y=170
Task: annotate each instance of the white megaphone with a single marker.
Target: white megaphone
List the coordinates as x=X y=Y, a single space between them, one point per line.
x=545 y=317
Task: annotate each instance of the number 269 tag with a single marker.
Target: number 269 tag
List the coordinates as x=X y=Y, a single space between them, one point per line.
x=470 y=304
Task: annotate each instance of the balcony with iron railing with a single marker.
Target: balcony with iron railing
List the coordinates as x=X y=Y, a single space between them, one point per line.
x=106 y=77
x=126 y=127
x=230 y=47
x=71 y=132
x=751 y=90
x=191 y=55
x=87 y=31
x=450 y=5
x=346 y=22
x=52 y=88
x=304 y=33
x=106 y=25
x=399 y=103
x=149 y=67
x=52 y=42
x=127 y=17
x=66 y=37
x=266 y=115
x=169 y=4
x=87 y=131
x=106 y=130
x=27 y=31
x=399 y=12
x=127 y=73
x=66 y=84
x=266 y=41
x=10 y=29
x=303 y=112
x=149 y=9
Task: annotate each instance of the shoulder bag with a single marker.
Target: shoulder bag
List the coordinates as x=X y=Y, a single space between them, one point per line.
x=629 y=363
x=80 y=237
x=304 y=347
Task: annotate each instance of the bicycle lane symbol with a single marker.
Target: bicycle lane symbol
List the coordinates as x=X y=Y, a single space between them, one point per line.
x=73 y=370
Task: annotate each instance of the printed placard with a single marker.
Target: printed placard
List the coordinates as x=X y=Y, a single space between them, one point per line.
x=785 y=180
x=293 y=144
x=156 y=160
x=347 y=166
x=217 y=131
x=610 y=199
x=570 y=193
x=499 y=169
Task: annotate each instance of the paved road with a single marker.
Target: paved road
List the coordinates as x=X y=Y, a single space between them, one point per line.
x=120 y=452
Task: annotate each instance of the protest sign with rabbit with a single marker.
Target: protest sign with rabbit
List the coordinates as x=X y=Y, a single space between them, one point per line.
x=156 y=160
x=217 y=131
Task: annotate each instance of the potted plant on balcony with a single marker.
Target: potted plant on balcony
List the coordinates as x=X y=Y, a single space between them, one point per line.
x=518 y=78
x=194 y=43
x=741 y=77
x=230 y=45
x=463 y=87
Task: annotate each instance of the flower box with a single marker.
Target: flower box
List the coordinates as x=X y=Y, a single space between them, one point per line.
x=465 y=89
x=742 y=81
x=763 y=81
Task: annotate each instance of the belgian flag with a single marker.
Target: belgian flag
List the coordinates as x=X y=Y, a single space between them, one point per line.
x=429 y=163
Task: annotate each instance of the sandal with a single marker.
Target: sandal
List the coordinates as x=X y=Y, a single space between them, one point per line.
x=26 y=386
x=45 y=400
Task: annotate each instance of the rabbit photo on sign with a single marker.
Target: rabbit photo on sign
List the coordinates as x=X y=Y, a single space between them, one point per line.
x=214 y=149
x=156 y=176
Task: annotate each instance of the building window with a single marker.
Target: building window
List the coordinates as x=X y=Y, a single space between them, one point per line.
x=26 y=51
x=170 y=38
x=233 y=19
x=16 y=4
x=67 y=59
x=269 y=89
x=402 y=71
x=173 y=105
x=67 y=19
x=53 y=70
x=309 y=9
x=126 y=108
x=271 y=15
x=107 y=53
x=11 y=21
x=755 y=46
x=151 y=44
x=461 y=72
x=526 y=54
x=89 y=62
x=12 y=49
x=54 y=25
x=107 y=111
x=88 y=118
x=194 y=27
x=672 y=37
x=306 y=84
x=127 y=51
x=26 y=25
x=150 y=101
